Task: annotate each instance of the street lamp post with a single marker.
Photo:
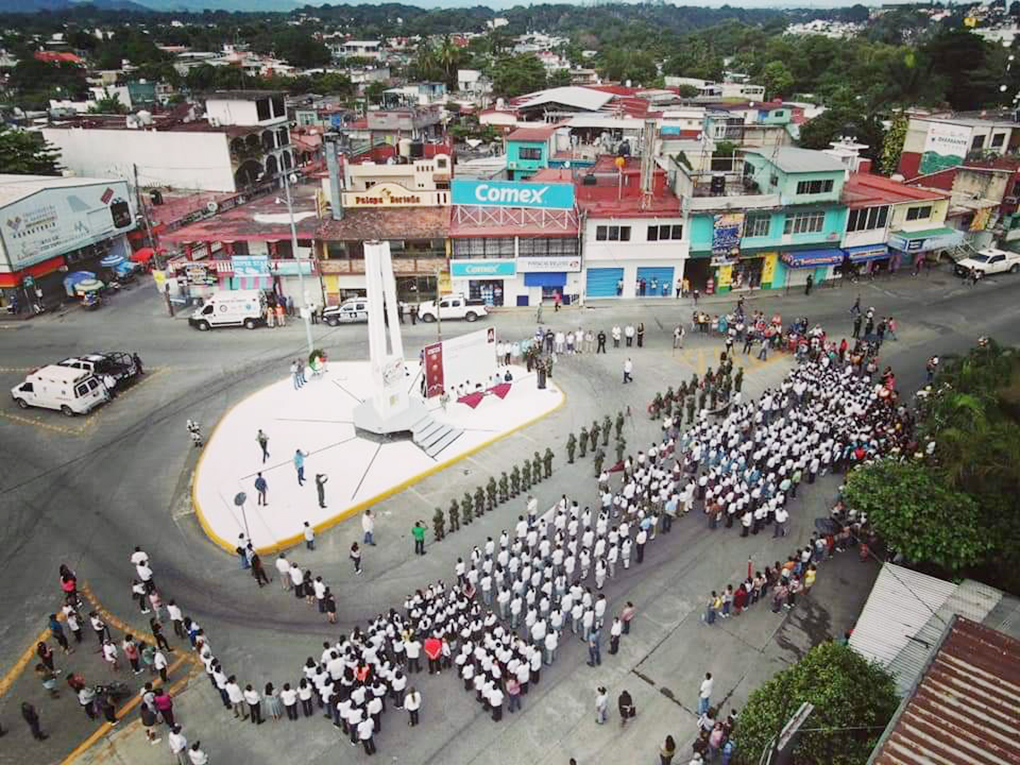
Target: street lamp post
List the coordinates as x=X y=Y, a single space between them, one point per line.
x=305 y=311
x=239 y=500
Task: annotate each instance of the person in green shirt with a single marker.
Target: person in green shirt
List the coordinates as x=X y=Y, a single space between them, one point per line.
x=418 y=532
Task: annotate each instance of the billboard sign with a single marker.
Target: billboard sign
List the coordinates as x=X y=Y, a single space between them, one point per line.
x=63 y=219
x=250 y=265
x=433 y=355
x=482 y=269
x=542 y=196
x=945 y=146
x=570 y=264
x=726 y=233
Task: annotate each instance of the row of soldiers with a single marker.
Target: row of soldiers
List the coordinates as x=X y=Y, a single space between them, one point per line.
x=494 y=493
x=712 y=388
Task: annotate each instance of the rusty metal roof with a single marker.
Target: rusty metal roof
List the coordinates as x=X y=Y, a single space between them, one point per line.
x=965 y=709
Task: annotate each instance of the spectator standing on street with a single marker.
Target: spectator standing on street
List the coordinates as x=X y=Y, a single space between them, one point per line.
x=705 y=693
x=626 y=706
x=263 y=442
x=283 y=570
x=628 y=368
x=418 y=532
x=412 y=703
x=601 y=705
x=57 y=632
x=258 y=571
x=261 y=487
x=355 y=556
x=320 y=487
x=178 y=745
x=299 y=465
x=309 y=536
x=368 y=527
x=667 y=752
x=32 y=719
x=628 y=333
x=196 y=755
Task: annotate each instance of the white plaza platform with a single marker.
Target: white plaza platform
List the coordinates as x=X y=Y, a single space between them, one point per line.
x=318 y=420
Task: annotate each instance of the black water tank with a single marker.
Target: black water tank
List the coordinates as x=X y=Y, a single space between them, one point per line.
x=417 y=150
x=589 y=180
x=156 y=196
x=718 y=185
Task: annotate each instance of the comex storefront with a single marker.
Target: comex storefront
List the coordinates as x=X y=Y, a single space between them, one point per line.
x=514 y=243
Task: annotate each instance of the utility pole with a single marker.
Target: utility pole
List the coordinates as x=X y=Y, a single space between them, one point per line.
x=305 y=311
x=145 y=218
x=439 y=318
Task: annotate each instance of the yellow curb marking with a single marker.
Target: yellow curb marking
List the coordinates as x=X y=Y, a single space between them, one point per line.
x=284 y=544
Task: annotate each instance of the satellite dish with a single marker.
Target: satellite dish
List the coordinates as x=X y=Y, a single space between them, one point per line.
x=211 y=206
x=566 y=165
x=293 y=178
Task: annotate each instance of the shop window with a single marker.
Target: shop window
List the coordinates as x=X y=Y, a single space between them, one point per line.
x=757 y=224
x=612 y=233
x=814 y=187
x=919 y=213
x=804 y=223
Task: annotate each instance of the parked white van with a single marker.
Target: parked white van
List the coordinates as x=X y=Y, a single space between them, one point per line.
x=72 y=391
x=231 y=308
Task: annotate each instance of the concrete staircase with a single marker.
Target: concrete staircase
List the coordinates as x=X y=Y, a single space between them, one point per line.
x=432 y=436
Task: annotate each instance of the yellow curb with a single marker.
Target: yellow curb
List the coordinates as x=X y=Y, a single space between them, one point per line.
x=293 y=541
x=106 y=727
x=24 y=660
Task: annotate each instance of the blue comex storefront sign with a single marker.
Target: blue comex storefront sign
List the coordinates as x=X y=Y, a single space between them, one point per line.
x=482 y=269
x=543 y=196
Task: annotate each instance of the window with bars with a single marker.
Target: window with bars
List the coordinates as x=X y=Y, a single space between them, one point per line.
x=497 y=247
x=804 y=223
x=664 y=232
x=546 y=247
x=612 y=233
x=814 y=187
x=867 y=219
x=757 y=224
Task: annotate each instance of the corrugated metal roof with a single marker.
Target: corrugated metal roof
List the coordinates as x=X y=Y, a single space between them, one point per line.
x=966 y=708
x=901 y=603
x=791 y=159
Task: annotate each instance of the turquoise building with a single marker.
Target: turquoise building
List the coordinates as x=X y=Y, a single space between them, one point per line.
x=529 y=150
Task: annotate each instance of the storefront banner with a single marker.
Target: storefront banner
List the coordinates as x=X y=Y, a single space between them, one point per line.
x=445 y=284
x=726 y=233
x=482 y=269
x=768 y=266
x=547 y=196
x=433 y=369
x=250 y=265
x=813 y=258
x=725 y=276
x=290 y=267
x=942 y=240
x=570 y=264
x=867 y=252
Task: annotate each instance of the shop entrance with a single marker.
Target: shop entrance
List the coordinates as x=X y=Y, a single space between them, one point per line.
x=490 y=291
x=698 y=271
x=416 y=289
x=746 y=274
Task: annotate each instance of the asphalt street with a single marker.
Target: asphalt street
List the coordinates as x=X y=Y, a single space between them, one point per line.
x=84 y=491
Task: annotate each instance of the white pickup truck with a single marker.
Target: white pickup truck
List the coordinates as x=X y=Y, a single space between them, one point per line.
x=452 y=307
x=989 y=261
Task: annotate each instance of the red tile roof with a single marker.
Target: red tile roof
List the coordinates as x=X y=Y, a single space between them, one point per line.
x=394 y=223
x=866 y=190
x=964 y=710
x=533 y=134
x=56 y=57
x=259 y=220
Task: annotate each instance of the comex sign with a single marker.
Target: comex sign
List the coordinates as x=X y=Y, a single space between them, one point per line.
x=547 y=196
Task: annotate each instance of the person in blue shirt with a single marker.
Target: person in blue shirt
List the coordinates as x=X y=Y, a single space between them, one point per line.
x=299 y=465
x=261 y=487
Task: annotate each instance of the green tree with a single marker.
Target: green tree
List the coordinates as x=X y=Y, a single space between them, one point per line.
x=516 y=75
x=108 y=104
x=559 y=78
x=917 y=515
x=853 y=699
x=777 y=79
x=892 y=146
x=23 y=153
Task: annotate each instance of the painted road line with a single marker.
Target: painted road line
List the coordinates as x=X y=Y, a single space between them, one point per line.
x=24 y=660
x=124 y=711
x=44 y=425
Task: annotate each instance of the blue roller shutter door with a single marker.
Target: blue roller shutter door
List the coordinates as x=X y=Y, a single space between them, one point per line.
x=662 y=275
x=601 y=282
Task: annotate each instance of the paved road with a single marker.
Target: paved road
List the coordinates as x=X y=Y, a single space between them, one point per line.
x=85 y=491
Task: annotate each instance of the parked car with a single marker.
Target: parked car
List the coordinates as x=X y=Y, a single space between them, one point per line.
x=68 y=389
x=118 y=365
x=989 y=261
x=452 y=307
x=350 y=311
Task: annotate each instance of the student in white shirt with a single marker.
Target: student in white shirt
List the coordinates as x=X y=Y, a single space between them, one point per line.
x=412 y=703
x=178 y=745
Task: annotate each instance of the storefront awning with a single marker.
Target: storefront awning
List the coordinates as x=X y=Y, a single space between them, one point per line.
x=553 y=279
x=925 y=241
x=812 y=258
x=867 y=252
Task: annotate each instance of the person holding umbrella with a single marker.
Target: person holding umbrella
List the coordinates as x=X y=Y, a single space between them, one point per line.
x=433 y=648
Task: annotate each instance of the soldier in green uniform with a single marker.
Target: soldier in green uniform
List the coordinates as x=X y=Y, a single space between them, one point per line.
x=571 y=447
x=465 y=508
x=547 y=459
x=479 y=502
x=526 y=475
x=504 y=487
x=619 y=425
x=594 y=434
x=438 y=524
x=738 y=379
x=536 y=468
x=583 y=441
x=454 y=513
x=600 y=457
x=490 y=494
x=690 y=410
x=515 y=481
x=607 y=427
x=621 y=447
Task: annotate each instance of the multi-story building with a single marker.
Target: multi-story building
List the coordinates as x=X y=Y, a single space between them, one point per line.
x=937 y=143
x=242 y=141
